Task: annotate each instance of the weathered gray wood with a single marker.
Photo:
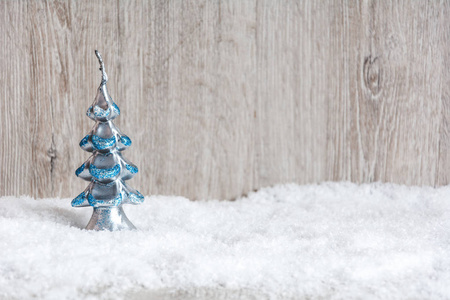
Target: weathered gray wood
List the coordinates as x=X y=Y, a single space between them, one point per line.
x=223 y=97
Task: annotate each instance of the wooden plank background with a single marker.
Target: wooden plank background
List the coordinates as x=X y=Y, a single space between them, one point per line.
x=223 y=97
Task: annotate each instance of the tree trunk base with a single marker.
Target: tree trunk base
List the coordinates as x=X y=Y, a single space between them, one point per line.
x=109 y=218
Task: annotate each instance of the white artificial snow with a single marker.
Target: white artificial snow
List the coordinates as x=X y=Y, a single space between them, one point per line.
x=327 y=241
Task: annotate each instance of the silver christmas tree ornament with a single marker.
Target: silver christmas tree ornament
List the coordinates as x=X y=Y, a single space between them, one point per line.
x=107 y=170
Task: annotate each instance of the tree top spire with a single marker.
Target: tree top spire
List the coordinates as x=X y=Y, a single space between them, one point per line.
x=102 y=67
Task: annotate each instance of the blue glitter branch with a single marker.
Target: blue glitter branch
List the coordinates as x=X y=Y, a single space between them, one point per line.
x=104 y=173
x=101 y=144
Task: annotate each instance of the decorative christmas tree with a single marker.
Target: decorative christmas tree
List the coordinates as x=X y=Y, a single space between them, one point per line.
x=106 y=169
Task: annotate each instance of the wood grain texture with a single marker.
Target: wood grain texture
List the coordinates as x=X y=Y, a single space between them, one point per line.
x=224 y=97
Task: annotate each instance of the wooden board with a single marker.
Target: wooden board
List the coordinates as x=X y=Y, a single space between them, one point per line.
x=224 y=97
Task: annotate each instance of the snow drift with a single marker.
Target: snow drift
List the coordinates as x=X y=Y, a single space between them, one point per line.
x=333 y=240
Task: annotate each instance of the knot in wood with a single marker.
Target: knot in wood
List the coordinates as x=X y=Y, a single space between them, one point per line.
x=372 y=71
x=51 y=152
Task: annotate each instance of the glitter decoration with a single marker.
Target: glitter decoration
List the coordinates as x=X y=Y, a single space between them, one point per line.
x=132 y=169
x=101 y=144
x=116 y=109
x=84 y=141
x=104 y=173
x=79 y=199
x=90 y=114
x=125 y=141
x=107 y=169
x=101 y=203
x=136 y=197
x=79 y=170
x=101 y=113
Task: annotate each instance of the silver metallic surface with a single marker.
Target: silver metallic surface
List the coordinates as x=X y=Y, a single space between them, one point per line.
x=109 y=218
x=106 y=169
